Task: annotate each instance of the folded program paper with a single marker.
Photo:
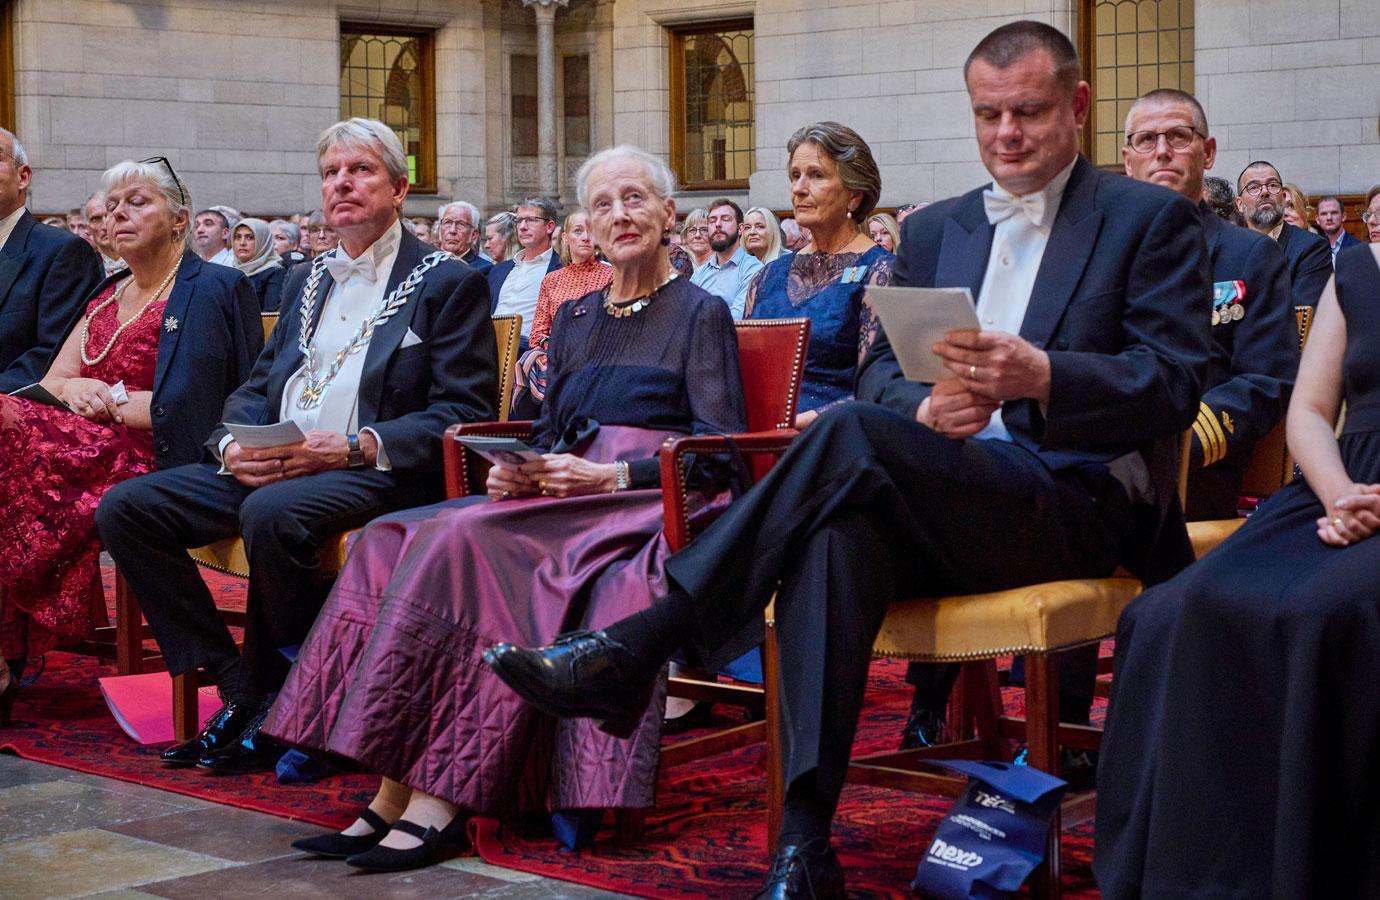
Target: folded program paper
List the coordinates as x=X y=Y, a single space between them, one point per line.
x=917 y=318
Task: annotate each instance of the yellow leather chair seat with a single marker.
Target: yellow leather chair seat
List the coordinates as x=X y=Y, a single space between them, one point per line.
x=228 y=555
x=1206 y=535
x=1041 y=618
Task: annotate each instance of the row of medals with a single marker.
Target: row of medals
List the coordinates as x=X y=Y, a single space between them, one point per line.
x=1234 y=312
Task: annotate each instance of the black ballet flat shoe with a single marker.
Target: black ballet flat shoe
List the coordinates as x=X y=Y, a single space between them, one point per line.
x=583 y=675
x=436 y=846
x=219 y=732
x=808 y=871
x=253 y=752
x=7 y=698
x=341 y=846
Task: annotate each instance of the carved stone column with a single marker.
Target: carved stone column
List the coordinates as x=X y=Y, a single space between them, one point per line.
x=548 y=178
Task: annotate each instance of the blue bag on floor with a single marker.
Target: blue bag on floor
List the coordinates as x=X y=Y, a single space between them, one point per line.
x=994 y=836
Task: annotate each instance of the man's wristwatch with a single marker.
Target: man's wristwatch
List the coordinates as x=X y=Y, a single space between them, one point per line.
x=354 y=457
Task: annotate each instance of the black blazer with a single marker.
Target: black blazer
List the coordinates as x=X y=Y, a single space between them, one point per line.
x=1310 y=263
x=210 y=335
x=477 y=262
x=1252 y=368
x=1120 y=304
x=46 y=275
x=408 y=395
x=499 y=274
x=1345 y=241
x=268 y=287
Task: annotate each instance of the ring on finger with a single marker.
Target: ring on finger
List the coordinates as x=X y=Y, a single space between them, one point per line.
x=542 y=485
x=972 y=373
x=1337 y=521
x=505 y=495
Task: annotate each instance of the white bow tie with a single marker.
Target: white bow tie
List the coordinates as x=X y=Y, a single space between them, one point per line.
x=342 y=269
x=1001 y=207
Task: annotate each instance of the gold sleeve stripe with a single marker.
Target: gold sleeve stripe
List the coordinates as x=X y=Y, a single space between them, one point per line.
x=1212 y=429
x=1204 y=443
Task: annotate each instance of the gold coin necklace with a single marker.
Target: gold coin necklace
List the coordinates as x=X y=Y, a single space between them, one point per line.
x=115 y=298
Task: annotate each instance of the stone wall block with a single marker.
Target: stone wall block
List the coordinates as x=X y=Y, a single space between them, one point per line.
x=1278 y=21
x=84 y=120
x=232 y=125
x=1341 y=92
x=158 y=123
x=1251 y=97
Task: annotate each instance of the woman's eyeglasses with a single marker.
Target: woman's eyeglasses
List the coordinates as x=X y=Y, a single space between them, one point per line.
x=154 y=160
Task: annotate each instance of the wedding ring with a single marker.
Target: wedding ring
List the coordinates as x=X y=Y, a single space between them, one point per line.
x=505 y=495
x=972 y=373
x=542 y=485
x=1337 y=520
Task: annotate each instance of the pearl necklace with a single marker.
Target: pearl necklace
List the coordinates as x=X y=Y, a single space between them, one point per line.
x=115 y=298
x=627 y=308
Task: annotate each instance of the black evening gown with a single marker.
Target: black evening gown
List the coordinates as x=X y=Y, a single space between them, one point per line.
x=1242 y=752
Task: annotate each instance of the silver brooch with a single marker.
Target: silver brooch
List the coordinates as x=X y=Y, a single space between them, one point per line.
x=170 y=323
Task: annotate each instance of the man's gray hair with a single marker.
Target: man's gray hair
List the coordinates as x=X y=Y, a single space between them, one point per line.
x=660 y=178
x=95 y=195
x=1176 y=97
x=366 y=134
x=21 y=156
x=158 y=177
x=470 y=209
x=548 y=209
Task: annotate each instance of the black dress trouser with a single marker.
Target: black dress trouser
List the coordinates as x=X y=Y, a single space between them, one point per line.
x=868 y=507
x=148 y=523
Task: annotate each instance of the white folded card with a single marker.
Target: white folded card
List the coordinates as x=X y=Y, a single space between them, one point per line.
x=275 y=435
x=917 y=318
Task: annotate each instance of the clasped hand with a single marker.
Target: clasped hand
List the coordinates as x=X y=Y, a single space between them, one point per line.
x=1352 y=517
x=992 y=367
x=318 y=451
x=91 y=399
x=554 y=475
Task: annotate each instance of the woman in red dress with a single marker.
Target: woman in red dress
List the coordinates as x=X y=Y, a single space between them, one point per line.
x=57 y=461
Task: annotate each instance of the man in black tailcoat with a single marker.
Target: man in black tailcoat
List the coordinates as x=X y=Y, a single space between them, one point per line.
x=399 y=346
x=1051 y=454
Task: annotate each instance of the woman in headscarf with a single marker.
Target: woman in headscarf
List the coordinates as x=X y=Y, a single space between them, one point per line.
x=252 y=244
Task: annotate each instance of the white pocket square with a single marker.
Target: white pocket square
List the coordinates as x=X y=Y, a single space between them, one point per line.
x=410 y=340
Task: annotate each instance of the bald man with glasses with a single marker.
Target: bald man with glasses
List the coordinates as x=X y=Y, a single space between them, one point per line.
x=1260 y=198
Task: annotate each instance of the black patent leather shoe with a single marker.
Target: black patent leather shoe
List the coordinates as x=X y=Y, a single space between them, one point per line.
x=219 y=732
x=583 y=675
x=436 y=846
x=340 y=846
x=808 y=871
x=924 y=728
x=253 y=752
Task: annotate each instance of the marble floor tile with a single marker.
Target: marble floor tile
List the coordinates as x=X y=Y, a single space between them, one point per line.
x=88 y=861
x=221 y=831
x=309 y=878
x=14 y=770
x=59 y=806
x=129 y=789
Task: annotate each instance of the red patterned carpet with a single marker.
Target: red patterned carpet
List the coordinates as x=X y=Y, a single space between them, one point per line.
x=705 y=839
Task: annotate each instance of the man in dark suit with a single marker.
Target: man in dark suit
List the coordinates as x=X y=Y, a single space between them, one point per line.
x=1332 y=223
x=399 y=345
x=46 y=277
x=457 y=227
x=514 y=283
x=1260 y=198
x=1051 y=454
x=1255 y=347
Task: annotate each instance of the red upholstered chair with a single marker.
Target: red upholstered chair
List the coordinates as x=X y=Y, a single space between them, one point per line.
x=123 y=642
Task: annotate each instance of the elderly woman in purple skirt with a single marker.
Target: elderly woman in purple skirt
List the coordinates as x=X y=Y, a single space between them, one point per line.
x=391 y=675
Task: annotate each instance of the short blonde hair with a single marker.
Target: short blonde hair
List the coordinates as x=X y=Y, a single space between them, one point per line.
x=161 y=179
x=889 y=224
x=366 y=134
x=773 y=232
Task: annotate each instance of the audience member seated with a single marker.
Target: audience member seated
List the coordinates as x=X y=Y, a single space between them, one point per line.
x=835 y=184
x=884 y=231
x=1260 y=198
x=1051 y=455
x=515 y=283
x=252 y=244
x=571 y=538
x=45 y=276
x=1254 y=334
x=211 y=237
x=762 y=235
x=196 y=326
x=1371 y=216
x=1239 y=756
x=96 y=225
x=1332 y=224
x=401 y=348
x=76 y=224
x=421 y=230
x=696 y=233
x=729 y=269
x=1221 y=199
x=287 y=236
x=323 y=236
x=500 y=237
x=457 y=225
x=1296 y=208
x=793 y=236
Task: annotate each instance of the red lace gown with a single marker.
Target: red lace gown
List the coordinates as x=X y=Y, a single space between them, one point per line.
x=54 y=468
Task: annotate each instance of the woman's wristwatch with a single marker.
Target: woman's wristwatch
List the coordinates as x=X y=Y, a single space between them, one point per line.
x=622 y=479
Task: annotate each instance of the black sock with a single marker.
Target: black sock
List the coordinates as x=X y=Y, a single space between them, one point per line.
x=226 y=675
x=654 y=634
x=17 y=667
x=806 y=814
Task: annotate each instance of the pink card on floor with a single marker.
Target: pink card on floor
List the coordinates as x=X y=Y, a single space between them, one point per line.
x=142 y=704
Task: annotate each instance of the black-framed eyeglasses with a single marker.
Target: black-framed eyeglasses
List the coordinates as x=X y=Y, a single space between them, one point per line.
x=1179 y=137
x=153 y=160
x=1255 y=187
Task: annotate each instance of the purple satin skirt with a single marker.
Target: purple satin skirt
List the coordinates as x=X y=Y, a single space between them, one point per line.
x=391 y=675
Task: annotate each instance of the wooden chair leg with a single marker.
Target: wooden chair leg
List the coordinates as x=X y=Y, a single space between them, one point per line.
x=129 y=629
x=629 y=825
x=186 y=707
x=776 y=788
x=1042 y=741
